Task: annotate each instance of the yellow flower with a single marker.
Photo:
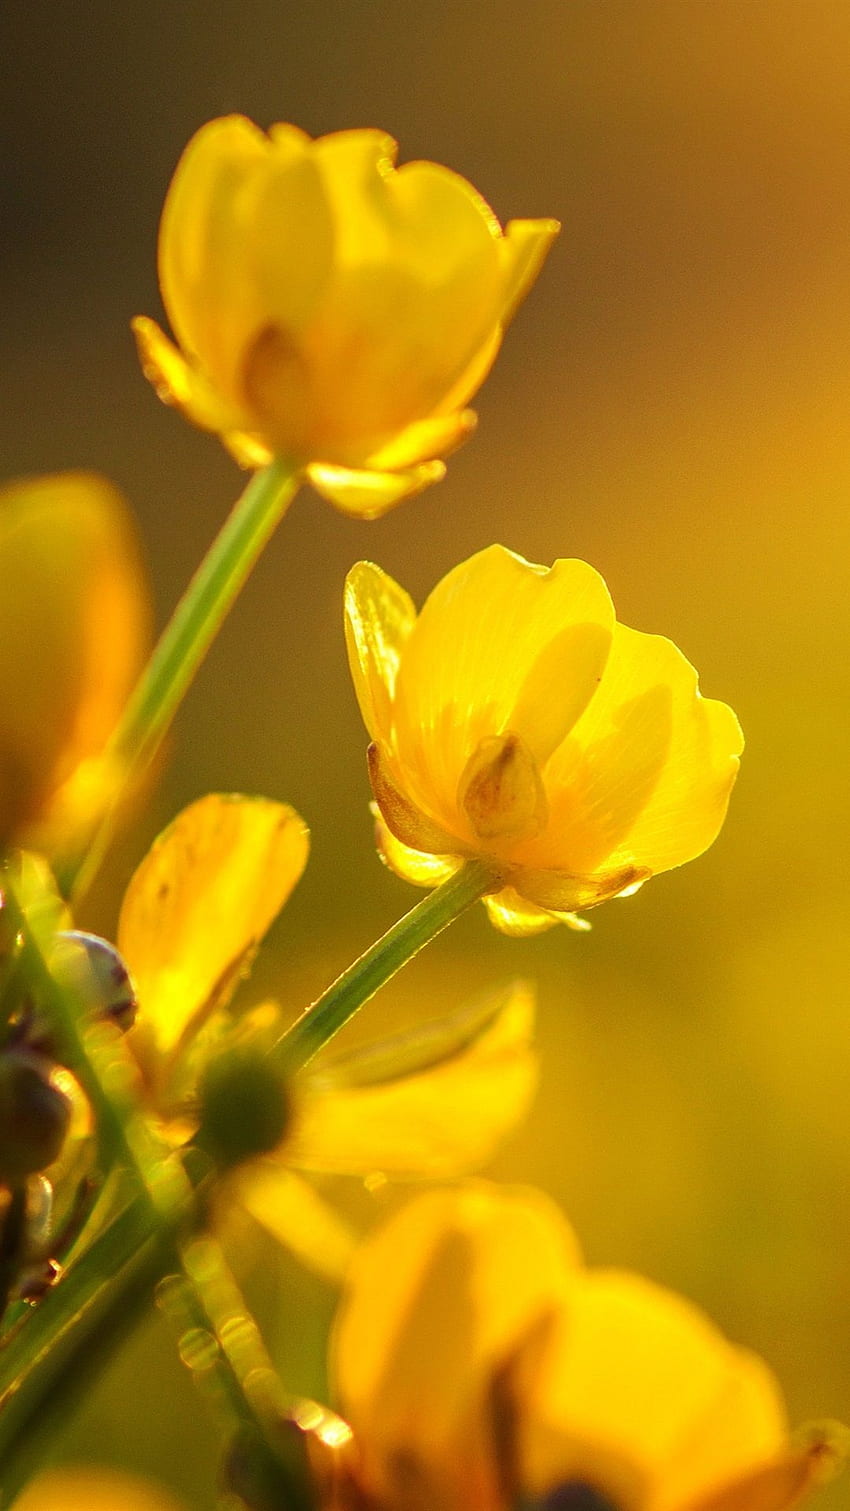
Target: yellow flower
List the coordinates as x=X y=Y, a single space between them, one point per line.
x=73 y=629
x=330 y=309
x=433 y=1102
x=516 y=721
x=89 y=1489
x=480 y=1364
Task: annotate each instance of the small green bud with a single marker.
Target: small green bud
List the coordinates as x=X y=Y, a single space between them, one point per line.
x=34 y=1115
x=244 y=1106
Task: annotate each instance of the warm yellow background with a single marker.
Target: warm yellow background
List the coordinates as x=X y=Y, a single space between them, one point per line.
x=673 y=404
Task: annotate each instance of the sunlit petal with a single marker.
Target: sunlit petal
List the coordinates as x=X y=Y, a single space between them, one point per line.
x=199 y=904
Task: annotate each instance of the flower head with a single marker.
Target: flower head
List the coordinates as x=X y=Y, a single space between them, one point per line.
x=435 y=1101
x=516 y=721
x=550 y=1385
x=73 y=628
x=329 y=308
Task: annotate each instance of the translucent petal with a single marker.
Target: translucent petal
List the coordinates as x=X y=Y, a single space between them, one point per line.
x=368 y=495
x=500 y=644
x=646 y=776
x=379 y=617
x=73 y=630
x=178 y=382
x=424 y=440
x=409 y=824
x=295 y=1214
x=452 y=1266
x=629 y=1374
x=246 y=241
x=199 y=904
x=444 y=1118
x=415 y=866
x=76 y=1489
x=523 y=249
x=511 y=914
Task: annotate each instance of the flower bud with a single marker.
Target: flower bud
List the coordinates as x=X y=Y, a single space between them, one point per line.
x=94 y=972
x=34 y=1116
x=244 y=1106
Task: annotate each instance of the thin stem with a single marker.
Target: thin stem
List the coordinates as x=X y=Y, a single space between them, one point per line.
x=380 y=962
x=97 y=1060
x=186 y=639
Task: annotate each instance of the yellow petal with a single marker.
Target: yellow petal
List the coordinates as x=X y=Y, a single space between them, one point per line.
x=632 y=1374
x=245 y=243
x=368 y=495
x=379 y=617
x=444 y=1119
x=424 y=440
x=199 y=904
x=178 y=382
x=511 y=914
x=409 y=824
x=523 y=250
x=784 y=1482
x=645 y=778
x=295 y=1215
x=436 y=1299
x=487 y=655
x=94 y=1490
x=73 y=628
x=411 y=865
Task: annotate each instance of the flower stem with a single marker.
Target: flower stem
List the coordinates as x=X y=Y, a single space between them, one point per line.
x=186 y=639
x=380 y=962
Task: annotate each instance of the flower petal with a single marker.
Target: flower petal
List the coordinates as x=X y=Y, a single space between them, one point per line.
x=368 y=495
x=487 y=646
x=415 y=866
x=199 y=904
x=630 y=1375
x=379 y=617
x=444 y=1118
x=523 y=249
x=73 y=629
x=645 y=778
x=295 y=1214
x=178 y=382
x=424 y=440
x=245 y=242
x=435 y=1300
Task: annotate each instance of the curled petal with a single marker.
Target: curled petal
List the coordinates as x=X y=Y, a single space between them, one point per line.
x=368 y=495
x=198 y=906
x=73 y=628
x=379 y=617
x=523 y=252
x=443 y=1116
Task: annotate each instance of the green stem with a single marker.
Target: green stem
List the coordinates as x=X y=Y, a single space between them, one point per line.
x=186 y=639
x=47 y=1363
x=379 y=964
x=98 y=1060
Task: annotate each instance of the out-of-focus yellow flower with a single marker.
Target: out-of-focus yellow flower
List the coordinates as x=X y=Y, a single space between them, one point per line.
x=434 y=1102
x=330 y=309
x=515 y=720
x=480 y=1364
x=95 y=1490
x=73 y=630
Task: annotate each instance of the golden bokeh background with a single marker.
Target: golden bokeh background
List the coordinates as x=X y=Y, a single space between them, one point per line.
x=673 y=403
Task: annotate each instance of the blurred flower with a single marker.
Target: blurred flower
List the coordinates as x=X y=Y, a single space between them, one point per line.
x=434 y=1101
x=73 y=622
x=479 y=1363
x=516 y=721
x=89 y=1489
x=330 y=309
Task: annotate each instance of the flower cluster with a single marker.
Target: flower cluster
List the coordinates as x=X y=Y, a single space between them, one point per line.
x=333 y=316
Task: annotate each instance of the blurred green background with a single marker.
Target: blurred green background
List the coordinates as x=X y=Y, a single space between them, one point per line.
x=673 y=404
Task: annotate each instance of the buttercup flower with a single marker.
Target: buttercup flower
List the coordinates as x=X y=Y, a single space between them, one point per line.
x=480 y=1364
x=436 y=1101
x=88 y=1489
x=516 y=721
x=330 y=309
x=73 y=629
